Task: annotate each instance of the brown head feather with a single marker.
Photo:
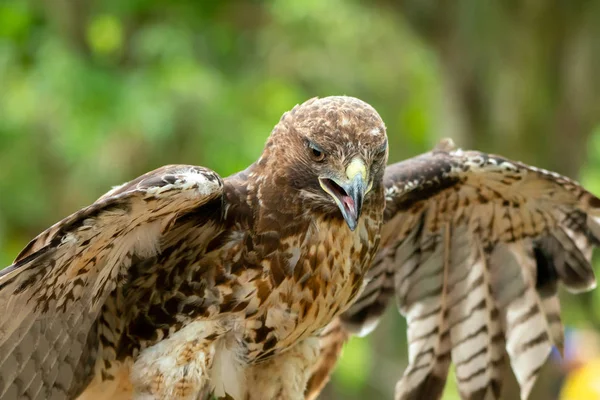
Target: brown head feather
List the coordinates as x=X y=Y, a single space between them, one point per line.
x=343 y=128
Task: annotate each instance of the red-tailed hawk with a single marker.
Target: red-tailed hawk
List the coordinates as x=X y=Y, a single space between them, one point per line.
x=473 y=247
x=181 y=283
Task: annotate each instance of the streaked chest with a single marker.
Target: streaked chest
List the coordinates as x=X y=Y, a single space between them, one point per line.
x=271 y=291
x=323 y=272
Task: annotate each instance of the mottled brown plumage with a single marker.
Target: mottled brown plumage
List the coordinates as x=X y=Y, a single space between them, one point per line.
x=181 y=280
x=473 y=247
x=180 y=284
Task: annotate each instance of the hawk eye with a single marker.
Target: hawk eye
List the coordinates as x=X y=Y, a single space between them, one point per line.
x=316 y=153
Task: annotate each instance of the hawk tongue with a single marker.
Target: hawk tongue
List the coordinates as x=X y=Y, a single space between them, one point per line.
x=349 y=205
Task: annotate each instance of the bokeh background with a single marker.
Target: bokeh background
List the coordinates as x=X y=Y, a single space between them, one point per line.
x=94 y=93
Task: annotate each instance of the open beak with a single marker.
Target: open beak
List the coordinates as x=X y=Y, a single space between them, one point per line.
x=348 y=194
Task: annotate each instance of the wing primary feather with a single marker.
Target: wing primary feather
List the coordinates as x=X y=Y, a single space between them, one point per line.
x=475 y=332
x=428 y=335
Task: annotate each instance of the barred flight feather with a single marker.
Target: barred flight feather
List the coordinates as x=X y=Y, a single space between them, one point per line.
x=474 y=246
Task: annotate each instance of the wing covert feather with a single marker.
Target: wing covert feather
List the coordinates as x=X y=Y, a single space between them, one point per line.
x=474 y=246
x=52 y=294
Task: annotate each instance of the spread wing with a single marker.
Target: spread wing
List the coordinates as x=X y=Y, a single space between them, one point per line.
x=53 y=293
x=473 y=248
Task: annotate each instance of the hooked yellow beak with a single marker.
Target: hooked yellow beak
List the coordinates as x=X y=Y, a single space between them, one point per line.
x=349 y=193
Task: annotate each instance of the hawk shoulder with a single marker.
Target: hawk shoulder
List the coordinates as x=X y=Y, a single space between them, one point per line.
x=54 y=291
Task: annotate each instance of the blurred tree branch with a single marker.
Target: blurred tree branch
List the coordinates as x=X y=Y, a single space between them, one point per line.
x=70 y=19
x=519 y=76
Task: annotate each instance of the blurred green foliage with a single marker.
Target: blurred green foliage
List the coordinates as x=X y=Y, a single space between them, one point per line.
x=95 y=93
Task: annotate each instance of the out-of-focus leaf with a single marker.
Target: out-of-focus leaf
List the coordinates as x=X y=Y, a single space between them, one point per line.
x=354 y=366
x=105 y=34
x=15 y=20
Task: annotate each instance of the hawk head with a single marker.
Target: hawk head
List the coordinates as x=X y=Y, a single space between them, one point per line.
x=330 y=153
